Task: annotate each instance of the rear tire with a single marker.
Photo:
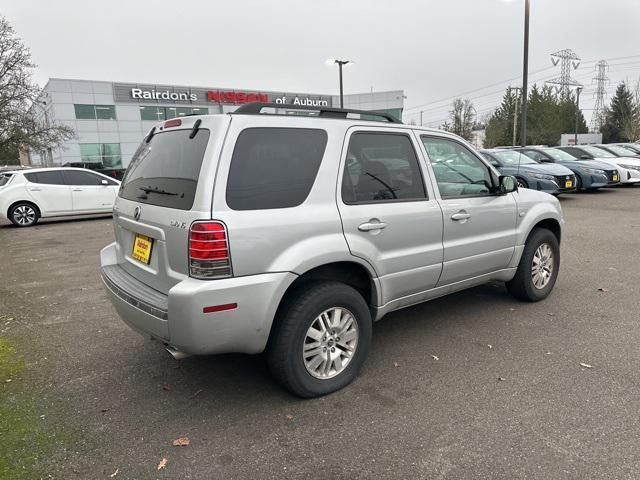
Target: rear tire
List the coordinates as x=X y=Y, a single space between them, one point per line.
x=24 y=214
x=305 y=354
x=538 y=268
x=579 y=183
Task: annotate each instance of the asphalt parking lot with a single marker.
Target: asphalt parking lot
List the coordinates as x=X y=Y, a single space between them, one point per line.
x=474 y=385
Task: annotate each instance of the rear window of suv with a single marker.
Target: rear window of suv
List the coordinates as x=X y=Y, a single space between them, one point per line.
x=274 y=167
x=165 y=171
x=4 y=179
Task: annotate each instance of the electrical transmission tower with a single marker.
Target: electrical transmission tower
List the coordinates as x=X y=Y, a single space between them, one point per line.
x=568 y=61
x=597 y=118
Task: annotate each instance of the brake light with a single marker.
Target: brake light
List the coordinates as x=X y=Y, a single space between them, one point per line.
x=209 y=255
x=176 y=122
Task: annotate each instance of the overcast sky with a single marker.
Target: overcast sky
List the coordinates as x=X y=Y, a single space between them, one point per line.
x=432 y=49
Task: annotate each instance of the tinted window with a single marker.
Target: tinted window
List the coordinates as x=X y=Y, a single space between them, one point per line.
x=381 y=167
x=458 y=172
x=74 y=177
x=169 y=163
x=47 y=178
x=274 y=167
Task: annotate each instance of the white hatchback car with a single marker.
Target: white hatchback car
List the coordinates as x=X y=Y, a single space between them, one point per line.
x=28 y=195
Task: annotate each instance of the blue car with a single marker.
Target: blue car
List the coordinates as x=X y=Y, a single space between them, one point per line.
x=549 y=178
x=590 y=174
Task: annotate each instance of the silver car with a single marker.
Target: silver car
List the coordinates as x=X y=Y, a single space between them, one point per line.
x=289 y=234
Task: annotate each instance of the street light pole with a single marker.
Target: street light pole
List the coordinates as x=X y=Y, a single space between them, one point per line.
x=525 y=74
x=340 y=64
x=578 y=90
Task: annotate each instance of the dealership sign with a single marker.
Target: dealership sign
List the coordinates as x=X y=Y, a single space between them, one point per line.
x=161 y=94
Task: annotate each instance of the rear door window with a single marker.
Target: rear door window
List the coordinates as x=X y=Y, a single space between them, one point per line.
x=46 y=178
x=73 y=177
x=381 y=167
x=165 y=171
x=274 y=167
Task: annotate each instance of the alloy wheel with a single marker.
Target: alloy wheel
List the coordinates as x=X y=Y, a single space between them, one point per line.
x=542 y=266
x=24 y=215
x=330 y=343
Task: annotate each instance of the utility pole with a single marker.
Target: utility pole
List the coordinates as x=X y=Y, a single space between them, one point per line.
x=525 y=74
x=598 y=110
x=578 y=90
x=515 y=114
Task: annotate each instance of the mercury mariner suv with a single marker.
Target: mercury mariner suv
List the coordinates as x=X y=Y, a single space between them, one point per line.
x=260 y=231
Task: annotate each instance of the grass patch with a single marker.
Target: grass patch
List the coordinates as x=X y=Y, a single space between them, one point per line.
x=21 y=439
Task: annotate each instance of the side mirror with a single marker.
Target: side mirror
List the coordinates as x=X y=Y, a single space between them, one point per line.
x=104 y=182
x=507 y=184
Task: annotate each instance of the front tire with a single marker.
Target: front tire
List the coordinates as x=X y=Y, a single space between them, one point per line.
x=522 y=183
x=320 y=339
x=538 y=268
x=23 y=214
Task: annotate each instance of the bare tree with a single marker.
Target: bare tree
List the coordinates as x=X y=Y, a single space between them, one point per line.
x=462 y=118
x=21 y=126
x=631 y=121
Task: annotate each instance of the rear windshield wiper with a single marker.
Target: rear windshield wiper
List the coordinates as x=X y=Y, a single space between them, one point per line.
x=157 y=190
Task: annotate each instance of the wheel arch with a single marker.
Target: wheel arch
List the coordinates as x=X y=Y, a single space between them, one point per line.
x=30 y=202
x=550 y=224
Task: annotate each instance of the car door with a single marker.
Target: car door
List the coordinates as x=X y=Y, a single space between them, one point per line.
x=88 y=192
x=479 y=226
x=390 y=217
x=49 y=191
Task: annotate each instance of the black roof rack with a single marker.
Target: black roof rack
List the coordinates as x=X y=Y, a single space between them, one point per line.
x=255 y=108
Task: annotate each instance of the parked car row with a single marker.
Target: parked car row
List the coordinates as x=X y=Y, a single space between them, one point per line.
x=557 y=170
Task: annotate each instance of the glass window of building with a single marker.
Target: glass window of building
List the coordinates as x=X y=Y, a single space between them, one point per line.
x=108 y=154
x=152 y=113
x=162 y=113
x=95 y=112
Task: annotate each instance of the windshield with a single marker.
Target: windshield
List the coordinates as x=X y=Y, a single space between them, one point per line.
x=623 y=152
x=165 y=171
x=509 y=157
x=559 y=155
x=597 y=152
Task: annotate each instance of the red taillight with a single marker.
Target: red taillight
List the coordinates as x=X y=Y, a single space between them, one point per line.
x=209 y=255
x=176 y=122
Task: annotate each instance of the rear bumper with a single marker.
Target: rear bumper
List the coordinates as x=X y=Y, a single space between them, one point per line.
x=178 y=319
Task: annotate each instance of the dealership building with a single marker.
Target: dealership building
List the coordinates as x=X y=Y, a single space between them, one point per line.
x=110 y=118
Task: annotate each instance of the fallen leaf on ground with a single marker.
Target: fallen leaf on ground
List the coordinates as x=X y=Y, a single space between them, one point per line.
x=289 y=416
x=603 y=289
x=548 y=353
x=181 y=442
x=104 y=410
x=435 y=357
x=396 y=364
x=162 y=464
x=167 y=387
x=586 y=365
x=501 y=379
x=490 y=346
x=114 y=473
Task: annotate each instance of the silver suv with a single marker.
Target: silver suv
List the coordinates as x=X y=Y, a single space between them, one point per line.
x=289 y=234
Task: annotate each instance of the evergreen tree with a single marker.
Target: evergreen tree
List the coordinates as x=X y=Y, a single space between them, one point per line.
x=621 y=116
x=499 y=128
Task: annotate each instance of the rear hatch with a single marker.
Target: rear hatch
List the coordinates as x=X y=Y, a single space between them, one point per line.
x=167 y=186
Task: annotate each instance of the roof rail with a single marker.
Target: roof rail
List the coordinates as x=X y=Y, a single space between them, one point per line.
x=255 y=108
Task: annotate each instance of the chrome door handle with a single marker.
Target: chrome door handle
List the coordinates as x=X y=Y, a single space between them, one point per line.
x=460 y=216
x=77 y=190
x=368 y=226
x=35 y=189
